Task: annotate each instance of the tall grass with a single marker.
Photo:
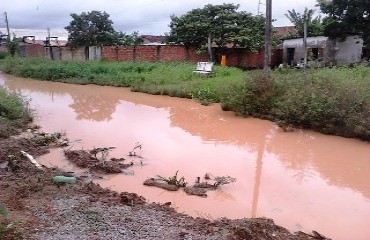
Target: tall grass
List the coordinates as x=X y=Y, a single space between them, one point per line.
x=329 y=100
x=13 y=106
x=332 y=100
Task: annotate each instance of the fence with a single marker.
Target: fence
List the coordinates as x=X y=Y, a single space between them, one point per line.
x=238 y=57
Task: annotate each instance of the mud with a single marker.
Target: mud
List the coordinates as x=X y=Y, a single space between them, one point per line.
x=89 y=160
x=29 y=194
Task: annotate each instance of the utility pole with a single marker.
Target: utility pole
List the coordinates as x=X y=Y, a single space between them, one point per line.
x=268 y=26
x=259 y=6
x=210 y=47
x=305 y=19
x=7 y=25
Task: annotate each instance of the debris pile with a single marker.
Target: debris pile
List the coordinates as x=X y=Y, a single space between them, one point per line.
x=199 y=188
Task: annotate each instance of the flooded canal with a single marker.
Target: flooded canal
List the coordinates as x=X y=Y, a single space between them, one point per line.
x=303 y=180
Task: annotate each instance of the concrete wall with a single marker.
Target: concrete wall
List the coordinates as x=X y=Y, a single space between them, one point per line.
x=348 y=51
x=65 y=53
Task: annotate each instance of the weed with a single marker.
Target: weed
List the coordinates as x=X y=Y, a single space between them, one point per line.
x=13 y=106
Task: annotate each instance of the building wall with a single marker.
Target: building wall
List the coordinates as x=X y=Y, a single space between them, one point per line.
x=330 y=51
x=297 y=44
x=348 y=51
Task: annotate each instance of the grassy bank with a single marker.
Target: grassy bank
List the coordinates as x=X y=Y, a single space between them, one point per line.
x=335 y=101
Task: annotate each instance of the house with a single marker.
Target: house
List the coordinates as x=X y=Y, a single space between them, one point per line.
x=153 y=40
x=322 y=51
x=285 y=31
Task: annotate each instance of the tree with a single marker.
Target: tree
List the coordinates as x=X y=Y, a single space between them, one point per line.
x=12 y=45
x=345 y=18
x=91 y=29
x=315 y=26
x=222 y=23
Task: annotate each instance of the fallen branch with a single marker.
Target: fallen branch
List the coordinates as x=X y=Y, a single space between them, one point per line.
x=32 y=159
x=174 y=181
x=160 y=184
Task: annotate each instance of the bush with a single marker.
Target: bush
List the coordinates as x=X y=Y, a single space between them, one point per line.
x=3 y=55
x=12 y=106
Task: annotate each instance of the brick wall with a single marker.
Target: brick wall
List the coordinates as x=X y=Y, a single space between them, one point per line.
x=147 y=53
x=172 y=54
x=152 y=54
x=250 y=60
x=109 y=53
x=194 y=57
x=237 y=58
x=35 y=50
x=125 y=54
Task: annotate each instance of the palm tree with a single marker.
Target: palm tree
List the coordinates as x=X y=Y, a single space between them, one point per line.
x=314 y=24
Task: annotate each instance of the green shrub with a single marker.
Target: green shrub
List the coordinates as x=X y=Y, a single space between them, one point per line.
x=3 y=55
x=13 y=106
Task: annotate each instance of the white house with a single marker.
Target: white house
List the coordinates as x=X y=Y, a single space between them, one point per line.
x=322 y=51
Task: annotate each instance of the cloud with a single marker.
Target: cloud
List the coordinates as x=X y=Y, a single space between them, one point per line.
x=145 y=16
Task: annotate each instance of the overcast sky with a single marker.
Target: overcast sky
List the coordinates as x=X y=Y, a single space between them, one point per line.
x=146 y=16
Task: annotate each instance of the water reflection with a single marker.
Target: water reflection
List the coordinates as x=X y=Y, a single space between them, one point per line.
x=96 y=108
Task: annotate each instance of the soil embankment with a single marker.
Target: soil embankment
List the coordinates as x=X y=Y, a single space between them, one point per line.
x=41 y=209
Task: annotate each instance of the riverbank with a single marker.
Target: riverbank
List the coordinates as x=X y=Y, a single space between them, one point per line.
x=331 y=100
x=41 y=209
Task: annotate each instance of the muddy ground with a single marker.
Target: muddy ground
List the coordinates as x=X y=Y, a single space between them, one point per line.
x=41 y=209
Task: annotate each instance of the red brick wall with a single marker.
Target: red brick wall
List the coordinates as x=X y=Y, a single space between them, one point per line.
x=146 y=53
x=109 y=53
x=152 y=54
x=34 y=50
x=126 y=54
x=250 y=60
x=238 y=58
x=172 y=54
x=194 y=57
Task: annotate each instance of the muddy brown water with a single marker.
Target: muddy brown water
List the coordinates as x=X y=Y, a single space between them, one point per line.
x=302 y=179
